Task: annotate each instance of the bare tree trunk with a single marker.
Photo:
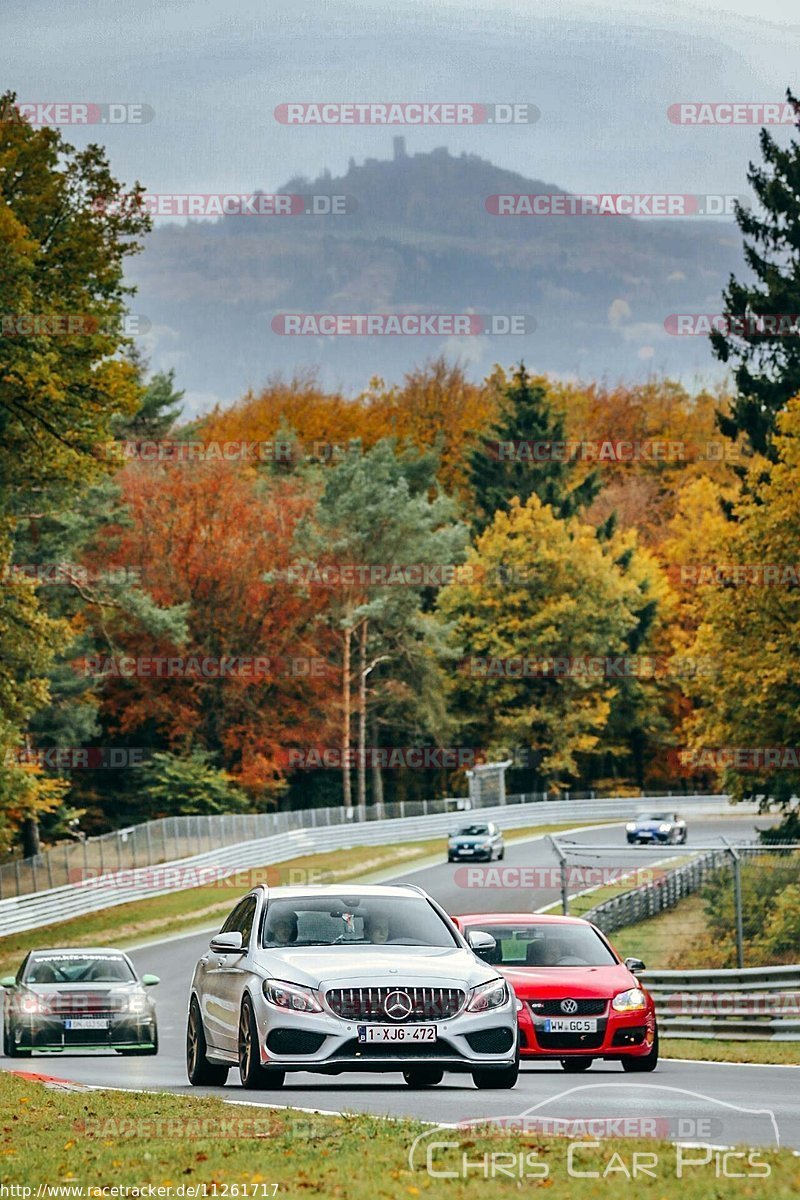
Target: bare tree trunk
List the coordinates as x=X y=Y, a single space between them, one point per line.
x=377 y=777
x=348 y=792
x=31 y=846
x=362 y=714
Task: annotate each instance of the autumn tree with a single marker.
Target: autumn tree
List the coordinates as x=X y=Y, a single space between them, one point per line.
x=62 y=379
x=544 y=590
x=749 y=629
x=215 y=544
x=381 y=509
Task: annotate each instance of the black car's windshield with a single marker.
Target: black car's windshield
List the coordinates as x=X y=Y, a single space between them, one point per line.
x=539 y=945
x=78 y=968
x=654 y=817
x=353 y=920
x=473 y=831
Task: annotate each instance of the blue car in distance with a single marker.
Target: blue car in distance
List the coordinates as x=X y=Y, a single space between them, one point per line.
x=656 y=829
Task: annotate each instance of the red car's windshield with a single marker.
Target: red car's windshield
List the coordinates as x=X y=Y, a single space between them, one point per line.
x=539 y=945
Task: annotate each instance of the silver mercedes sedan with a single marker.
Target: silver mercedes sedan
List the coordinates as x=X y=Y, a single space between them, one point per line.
x=351 y=978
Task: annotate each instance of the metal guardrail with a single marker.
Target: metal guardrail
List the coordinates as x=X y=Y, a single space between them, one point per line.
x=754 y=1004
x=104 y=890
x=650 y=899
x=171 y=838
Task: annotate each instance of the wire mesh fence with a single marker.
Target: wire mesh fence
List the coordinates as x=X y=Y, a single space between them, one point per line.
x=730 y=906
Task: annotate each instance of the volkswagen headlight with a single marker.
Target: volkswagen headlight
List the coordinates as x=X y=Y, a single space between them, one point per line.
x=291 y=996
x=493 y=994
x=631 y=1001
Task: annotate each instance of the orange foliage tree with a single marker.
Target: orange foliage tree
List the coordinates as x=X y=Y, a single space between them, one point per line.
x=212 y=539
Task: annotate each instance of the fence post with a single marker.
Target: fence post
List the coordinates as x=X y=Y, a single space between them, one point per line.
x=562 y=860
x=737 y=899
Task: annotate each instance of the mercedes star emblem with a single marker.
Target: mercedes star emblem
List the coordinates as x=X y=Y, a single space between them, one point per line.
x=398 y=1006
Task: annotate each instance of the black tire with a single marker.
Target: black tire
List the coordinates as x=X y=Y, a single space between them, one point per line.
x=574 y=1065
x=10 y=1047
x=251 y=1072
x=423 y=1077
x=497 y=1077
x=200 y=1071
x=502 y=853
x=647 y=1063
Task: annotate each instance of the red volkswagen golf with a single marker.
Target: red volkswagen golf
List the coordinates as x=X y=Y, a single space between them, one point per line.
x=577 y=1000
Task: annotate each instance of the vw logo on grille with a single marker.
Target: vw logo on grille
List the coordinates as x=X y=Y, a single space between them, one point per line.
x=569 y=1006
x=398 y=1006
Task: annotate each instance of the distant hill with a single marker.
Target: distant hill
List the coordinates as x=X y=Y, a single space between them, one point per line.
x=421 y=240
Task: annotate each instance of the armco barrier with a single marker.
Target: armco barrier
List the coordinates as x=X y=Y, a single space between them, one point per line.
x=168 y=838
x=649 y=899
x=754 y=1004
x=18 y=913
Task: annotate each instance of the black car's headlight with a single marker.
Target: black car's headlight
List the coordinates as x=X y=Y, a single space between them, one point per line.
x=138 y=1003
x=291 y=996
x=493 y=994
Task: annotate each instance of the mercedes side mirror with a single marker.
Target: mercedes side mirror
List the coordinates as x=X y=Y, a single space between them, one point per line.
x=483 y=944
x=226 y=943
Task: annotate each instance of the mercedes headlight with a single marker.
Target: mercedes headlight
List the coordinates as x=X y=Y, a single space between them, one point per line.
x=291 y=996
x=631 y=1001
x=493 y=994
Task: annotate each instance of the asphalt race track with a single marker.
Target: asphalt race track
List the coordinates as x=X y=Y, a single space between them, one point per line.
x=690 y=1101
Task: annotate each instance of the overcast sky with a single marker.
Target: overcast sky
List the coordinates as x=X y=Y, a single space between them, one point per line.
x=603 y=76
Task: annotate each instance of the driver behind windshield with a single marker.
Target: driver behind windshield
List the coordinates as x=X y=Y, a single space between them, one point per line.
x=282 y=928
x=376 y=928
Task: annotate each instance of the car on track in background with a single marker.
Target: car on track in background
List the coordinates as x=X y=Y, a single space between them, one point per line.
x=78 y=999
x=577 y=1001
x=348 y=978
x=656 y=829
x=475 y=841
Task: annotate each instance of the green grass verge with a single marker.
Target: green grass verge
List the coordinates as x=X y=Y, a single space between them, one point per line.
x=658 y=939
x=104 y=1139
x=200 y=907
x=785 y=1053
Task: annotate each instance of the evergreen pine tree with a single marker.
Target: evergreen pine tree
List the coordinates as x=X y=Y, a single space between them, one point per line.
x=506 y=463
x=766 y=365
